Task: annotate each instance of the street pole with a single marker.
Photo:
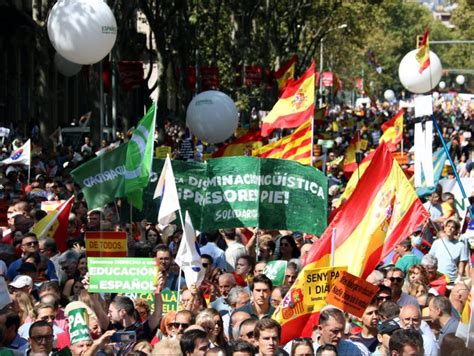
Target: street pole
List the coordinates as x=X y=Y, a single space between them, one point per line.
x=321 y=58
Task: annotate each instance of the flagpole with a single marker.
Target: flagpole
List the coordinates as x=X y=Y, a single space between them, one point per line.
x=312 y=140
x=180 y=268
x=333 y=246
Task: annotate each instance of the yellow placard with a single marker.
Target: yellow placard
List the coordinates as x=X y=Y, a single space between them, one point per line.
x=162 y=152
x=317 y=284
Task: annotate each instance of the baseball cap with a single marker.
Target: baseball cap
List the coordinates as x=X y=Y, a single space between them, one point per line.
x=388 y=327
x=21 y=281
x=27 y=267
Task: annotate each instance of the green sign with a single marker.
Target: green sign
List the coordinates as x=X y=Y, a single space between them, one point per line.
x=78 y=325
x=275 y=270
x=246 y=191
x=169 y=299
x=121 y=275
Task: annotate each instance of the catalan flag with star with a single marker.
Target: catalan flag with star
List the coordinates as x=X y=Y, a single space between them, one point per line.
x=295 y=106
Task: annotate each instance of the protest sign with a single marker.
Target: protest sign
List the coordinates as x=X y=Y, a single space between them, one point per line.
x=78 y=318
x=168 y=296
x=275 y=270
x=317 y=284
x=106 y=244
x=121 y=275
x=162 y=152
x=351 y=294
x=101 y=178
x=246 y=191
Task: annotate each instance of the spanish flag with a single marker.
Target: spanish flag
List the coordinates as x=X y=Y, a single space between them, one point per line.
x=295 y=106
x=55 y=224
x=295 y=147
x=350 y=163
x=242 y=146
x=466 y=311
x=423 y=54
x=285 y=73
x=382 y=211
x=393 y=131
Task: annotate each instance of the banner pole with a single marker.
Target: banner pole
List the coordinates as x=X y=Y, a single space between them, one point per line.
x=180 y=268
x=333 y=245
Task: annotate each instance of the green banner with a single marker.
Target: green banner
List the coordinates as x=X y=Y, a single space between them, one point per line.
x=101 y=178
x=78 y=325
x=275 y=270
x=246 y=191
x=168 y=296
x=121 y=275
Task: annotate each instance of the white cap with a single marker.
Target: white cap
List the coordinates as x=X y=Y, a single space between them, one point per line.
x=22 y=281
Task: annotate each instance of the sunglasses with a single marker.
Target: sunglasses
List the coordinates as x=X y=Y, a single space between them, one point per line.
x=396 y=279
x=31 y=243
x=178 y=325
x=384 y=297
x=40 y=338
x=205 y=265
x=250 y=335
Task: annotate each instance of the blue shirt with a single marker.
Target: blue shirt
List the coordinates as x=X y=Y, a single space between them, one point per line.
x=12 y=270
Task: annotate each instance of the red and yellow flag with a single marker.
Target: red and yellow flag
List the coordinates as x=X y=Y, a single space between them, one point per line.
x=423 y=54
x=242 y=146
x=382 y=211
x=295 y=106
x=55 y=224
x=285 y=73
x=466 y=311
x=295 y=147
x=350 y=163
x=393 y=131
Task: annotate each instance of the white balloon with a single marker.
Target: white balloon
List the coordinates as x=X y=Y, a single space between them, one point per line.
x=412 y=79
x=212 y=116
x=460 y=79
x=435 y=95
x=442 y=85
x=65 y=67
x=82 y=31
x=389 y=95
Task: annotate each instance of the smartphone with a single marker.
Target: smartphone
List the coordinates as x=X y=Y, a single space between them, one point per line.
x=124 y=337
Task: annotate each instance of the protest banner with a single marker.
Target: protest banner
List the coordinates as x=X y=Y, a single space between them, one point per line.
x=317 y=284
x=351 y=294
x=78 y=319
x=121 y=275
x=169 y=299
x=106 y=244
x=245 y=191
x=162 y=152
x=275 y=270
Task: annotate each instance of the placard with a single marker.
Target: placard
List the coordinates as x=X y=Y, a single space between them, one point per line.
x=351 y=294
x=318 y=282
x=106 y=244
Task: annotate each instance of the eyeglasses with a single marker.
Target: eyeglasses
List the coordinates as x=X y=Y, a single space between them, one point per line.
x=396 y=279
x=41 y=338
x=31 y=243
x=178 y=325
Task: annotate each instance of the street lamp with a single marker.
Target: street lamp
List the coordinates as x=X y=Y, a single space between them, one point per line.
x=321 y=58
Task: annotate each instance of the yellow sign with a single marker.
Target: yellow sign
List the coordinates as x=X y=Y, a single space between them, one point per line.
x=317 y=284
x=162 y=152
x=106 y=244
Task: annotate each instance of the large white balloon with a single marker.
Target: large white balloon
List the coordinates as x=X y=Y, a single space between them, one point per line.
x=389 y=95
x=413 y=80
x=212 y=116
x=460 y=79
x=65 y=67
x=82 y=31
x=442 y=85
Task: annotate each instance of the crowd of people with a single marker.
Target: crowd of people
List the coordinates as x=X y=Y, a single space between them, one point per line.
x=424 y=284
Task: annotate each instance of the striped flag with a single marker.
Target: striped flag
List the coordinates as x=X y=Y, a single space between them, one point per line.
x=382 y=211
x=285 y=73
x=350 y=163
x=248 y=142
x=423 y=54
x=295 y=147
x=55 y=224
x=295 y=106
x=393 y=130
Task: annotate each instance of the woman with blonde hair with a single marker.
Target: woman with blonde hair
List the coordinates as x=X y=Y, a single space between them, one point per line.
x=25 y=305
x=211 y=321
